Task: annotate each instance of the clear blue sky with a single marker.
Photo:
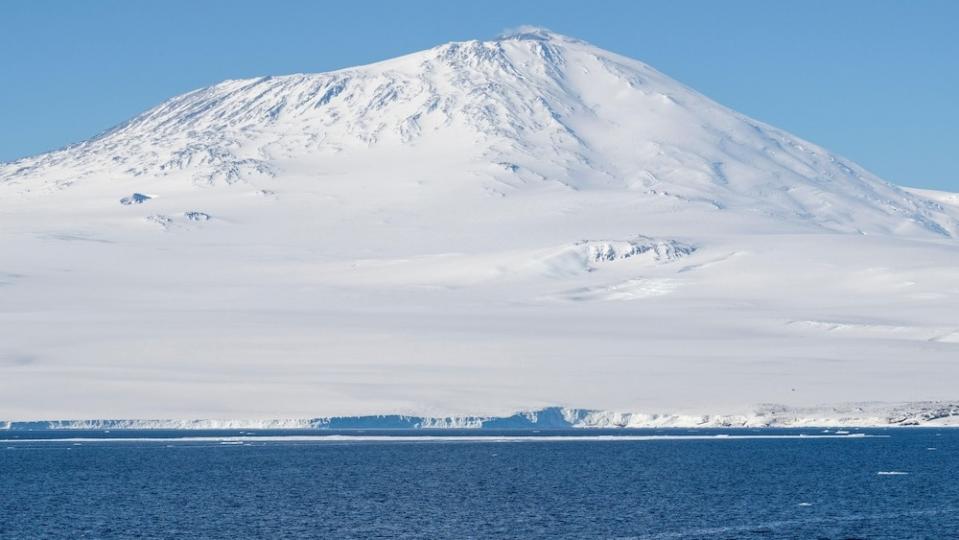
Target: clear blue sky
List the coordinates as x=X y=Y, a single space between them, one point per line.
x=874 y=80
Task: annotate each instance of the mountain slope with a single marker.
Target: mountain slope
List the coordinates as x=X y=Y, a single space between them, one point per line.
x=543 y=107
x=472 y=229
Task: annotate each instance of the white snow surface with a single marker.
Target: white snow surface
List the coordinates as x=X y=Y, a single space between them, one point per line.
x=479 y=228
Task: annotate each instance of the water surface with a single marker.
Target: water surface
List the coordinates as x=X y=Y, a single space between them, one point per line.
x=890 y=484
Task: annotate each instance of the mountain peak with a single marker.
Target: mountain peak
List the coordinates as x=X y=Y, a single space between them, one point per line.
x=519 y=113
x=536 y=33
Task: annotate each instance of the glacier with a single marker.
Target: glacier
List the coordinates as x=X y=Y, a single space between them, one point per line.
x=484 y=227
x=871 y=415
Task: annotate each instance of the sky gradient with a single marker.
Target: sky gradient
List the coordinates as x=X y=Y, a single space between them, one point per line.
x=873 y=80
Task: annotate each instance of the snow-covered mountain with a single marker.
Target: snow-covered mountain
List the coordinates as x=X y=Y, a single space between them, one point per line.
x=532 y=109
x=477 y=228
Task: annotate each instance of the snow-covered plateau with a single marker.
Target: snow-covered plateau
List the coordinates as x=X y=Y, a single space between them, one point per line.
x=453 y=235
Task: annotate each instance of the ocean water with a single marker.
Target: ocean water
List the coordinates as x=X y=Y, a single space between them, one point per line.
x=657 y=484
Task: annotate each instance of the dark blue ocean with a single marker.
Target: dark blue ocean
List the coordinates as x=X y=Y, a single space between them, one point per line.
x=500 y=487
